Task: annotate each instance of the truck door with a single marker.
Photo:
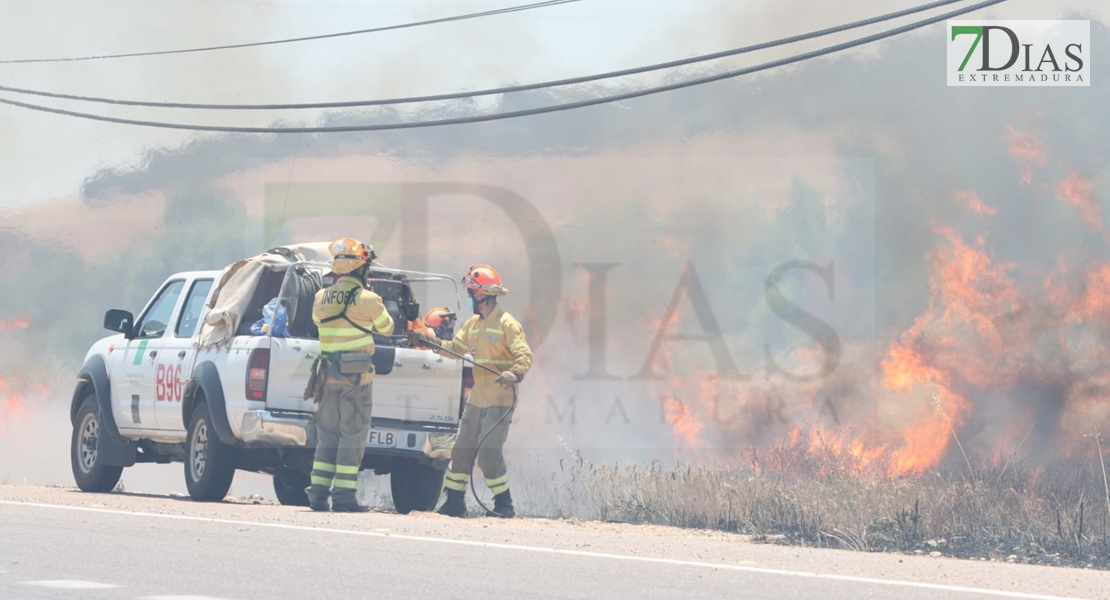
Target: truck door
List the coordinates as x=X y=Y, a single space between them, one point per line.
x=175 y=358
x=133 y=392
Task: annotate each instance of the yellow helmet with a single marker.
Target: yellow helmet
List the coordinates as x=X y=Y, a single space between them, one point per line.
x=348 y=254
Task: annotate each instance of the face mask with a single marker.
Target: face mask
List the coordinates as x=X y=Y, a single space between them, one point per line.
x=474 y=303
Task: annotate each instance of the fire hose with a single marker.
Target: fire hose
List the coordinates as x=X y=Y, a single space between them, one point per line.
x=482 y=440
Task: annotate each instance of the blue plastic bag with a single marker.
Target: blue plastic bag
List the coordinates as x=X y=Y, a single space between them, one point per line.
x=262 y=325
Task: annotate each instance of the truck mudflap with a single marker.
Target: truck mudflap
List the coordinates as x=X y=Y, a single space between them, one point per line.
x=437 y=446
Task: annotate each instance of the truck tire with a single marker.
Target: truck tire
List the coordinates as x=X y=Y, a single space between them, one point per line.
x=289 y=486
x=209 y=463
x=90 y=475
x=415 y=486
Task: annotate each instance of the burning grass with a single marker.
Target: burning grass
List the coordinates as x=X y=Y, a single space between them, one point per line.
x=996 y=510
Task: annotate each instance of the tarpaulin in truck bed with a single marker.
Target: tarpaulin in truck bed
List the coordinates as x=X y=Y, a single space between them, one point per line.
x=237 y=286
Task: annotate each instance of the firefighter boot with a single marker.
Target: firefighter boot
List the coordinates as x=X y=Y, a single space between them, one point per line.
x=318 y=497
x=502 y=506
x=349 y=505
x=353 y=507
x=455 y=505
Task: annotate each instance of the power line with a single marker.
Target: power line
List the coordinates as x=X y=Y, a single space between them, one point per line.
x=527 y=112
x=499 y=11
x=501 y=90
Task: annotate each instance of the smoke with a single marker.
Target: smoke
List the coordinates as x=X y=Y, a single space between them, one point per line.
x=961 y=230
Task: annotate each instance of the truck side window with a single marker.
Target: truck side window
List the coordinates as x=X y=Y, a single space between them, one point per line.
x=154 y=322
x=194 y=304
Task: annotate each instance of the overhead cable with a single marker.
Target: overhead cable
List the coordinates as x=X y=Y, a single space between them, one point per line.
x=488 y=13
x=531 y=111
x=500 y=90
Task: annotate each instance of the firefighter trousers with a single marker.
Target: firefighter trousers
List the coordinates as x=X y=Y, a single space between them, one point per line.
x=474 y=424
x=342 y=426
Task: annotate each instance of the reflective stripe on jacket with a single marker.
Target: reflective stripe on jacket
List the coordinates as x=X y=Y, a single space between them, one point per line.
x=497 y=342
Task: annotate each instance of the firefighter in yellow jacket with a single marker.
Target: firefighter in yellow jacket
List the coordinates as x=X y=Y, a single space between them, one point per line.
x=346 y=314
x=496 y=340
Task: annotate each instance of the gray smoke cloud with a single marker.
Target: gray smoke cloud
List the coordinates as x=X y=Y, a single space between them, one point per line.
x=869 y=158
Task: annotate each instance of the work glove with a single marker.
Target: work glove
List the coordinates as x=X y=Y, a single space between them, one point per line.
x=508 y=378
x=419 y=340
x=415 y=338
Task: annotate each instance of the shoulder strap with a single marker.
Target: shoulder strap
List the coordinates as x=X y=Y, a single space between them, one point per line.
x=356 y=325
x=343 y=315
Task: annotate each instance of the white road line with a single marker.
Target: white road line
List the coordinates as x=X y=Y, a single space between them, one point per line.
x=646 y=559
x=180 y=598
x=69 y=584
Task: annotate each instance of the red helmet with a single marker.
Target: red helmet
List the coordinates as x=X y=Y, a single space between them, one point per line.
x=438 y=316
x=484 y=280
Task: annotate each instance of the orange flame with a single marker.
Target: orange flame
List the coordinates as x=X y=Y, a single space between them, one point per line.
x=1025 y=149
x=684 y=422
x=982 y=335
x=12 y=405
x=9 y=325
x=971 y=200
x=1076 y=190
x=682 y=397
x=678 y=248
x=971 y=297
x=980 y=332
x=1094 y=301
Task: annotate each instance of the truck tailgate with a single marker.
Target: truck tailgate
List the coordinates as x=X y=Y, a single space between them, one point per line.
x=419 y=386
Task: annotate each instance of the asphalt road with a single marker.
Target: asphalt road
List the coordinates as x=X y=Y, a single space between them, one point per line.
x=61 y=544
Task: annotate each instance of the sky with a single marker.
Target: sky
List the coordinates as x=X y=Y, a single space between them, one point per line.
x=47 y=156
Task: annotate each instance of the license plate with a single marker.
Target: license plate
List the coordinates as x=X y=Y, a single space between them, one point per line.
x=385 y=439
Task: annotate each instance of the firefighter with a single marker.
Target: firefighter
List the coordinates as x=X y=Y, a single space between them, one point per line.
x=496 y=340
x=442 y=322
x=346 y=314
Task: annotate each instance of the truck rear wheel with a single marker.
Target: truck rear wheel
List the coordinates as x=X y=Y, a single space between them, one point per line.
x=289 y=487
x=415 y=486
x=209 y=464
x=88 y=472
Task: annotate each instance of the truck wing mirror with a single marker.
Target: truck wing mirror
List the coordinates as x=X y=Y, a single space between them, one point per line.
x=120 y=321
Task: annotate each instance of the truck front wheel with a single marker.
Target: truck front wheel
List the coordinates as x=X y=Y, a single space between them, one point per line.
x=209 y=464
x=415 y=486
x=88 y=472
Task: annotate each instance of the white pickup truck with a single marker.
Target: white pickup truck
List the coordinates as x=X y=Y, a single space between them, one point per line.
x=187 y=381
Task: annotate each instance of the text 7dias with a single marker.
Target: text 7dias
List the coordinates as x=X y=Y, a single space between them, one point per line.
x=1040 y=53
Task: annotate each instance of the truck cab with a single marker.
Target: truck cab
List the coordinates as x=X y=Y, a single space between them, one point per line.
x=193 y=380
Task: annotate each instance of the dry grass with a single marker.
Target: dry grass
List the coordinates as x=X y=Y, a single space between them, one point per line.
x=1002 y=511
x=988 y=511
